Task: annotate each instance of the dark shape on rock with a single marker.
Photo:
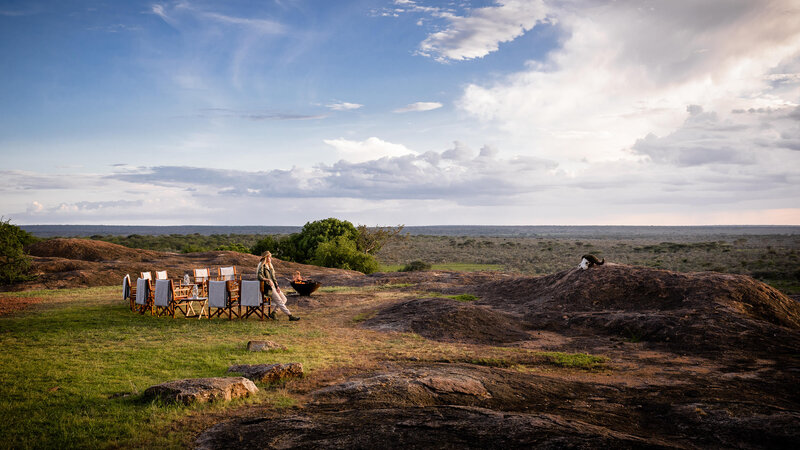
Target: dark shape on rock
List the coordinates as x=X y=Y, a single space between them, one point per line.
x=264 y=346
x=446 y=319
x=201 y=390
x=688 y=312
x=268 y=373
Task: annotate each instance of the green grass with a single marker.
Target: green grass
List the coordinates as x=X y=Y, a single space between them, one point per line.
x=73 y=367
x=73 y=370
x=463 y=297
x=576 y=360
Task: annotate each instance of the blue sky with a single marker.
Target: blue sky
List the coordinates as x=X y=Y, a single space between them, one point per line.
x=278 y=112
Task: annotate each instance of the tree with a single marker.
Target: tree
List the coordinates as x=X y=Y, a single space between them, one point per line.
x=318 y=232
x=370 y=240
x=14 y=263
x=341 y=253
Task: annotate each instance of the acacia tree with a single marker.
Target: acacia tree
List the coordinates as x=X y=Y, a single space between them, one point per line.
x=14 y=263
x=370 y=240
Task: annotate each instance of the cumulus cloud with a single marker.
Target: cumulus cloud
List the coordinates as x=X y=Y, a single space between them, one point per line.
x=371 y=148
x=344 y=106
x=625 y=71
x=747 y=137
x=481 y=32
x=419 y=106
x=457 y=173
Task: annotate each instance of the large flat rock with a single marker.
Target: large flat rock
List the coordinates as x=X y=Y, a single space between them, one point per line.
x=202 y=390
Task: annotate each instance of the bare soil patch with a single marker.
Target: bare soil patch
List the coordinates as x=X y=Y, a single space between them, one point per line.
x=12 y=305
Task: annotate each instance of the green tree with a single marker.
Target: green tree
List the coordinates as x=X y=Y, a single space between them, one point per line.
x=341 y=253
x=14 y=263
x=319 y=232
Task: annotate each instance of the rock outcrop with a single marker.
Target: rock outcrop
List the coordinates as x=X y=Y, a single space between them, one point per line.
x=264 y=346
x=201 y=390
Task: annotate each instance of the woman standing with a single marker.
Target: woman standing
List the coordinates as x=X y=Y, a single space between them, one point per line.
x=269 y=285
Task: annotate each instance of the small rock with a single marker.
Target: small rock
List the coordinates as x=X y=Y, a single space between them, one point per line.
x=268 y=373
x=264 y=346
x=201 y=390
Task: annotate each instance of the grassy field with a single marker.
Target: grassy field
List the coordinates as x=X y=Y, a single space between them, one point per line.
x=74 y=365
x=774 y=259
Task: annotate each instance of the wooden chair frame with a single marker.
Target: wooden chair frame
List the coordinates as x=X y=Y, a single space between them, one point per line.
x=201 y=277
x=148 y=304
x=257 y=310
x=129 y=291
x=230 y=274
x=178 y=300
x=230 y=300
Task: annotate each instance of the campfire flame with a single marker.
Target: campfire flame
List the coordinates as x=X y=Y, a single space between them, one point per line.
x=297 y=277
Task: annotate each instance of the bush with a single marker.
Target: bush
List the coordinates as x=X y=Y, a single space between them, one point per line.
x=415 y=266
x=234 y=247
x=304 y=244
x=342 y=253
x=14 y=263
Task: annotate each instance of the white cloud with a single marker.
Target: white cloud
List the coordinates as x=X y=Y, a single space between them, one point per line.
x=704 y=139
x=419 y=106
x=369 y=149
x=344 y=106
x=626 y=70
x=480 y=33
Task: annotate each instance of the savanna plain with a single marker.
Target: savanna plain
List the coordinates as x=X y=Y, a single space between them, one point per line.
x=675 y=342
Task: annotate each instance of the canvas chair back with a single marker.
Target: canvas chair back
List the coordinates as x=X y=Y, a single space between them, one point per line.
x=126 y=287
x=201 y=275
x=142 y=291
x=163 y=293
x=146 y=275
x=161 y=275
x=217 y=294
x=227 y=273
x=251 y=293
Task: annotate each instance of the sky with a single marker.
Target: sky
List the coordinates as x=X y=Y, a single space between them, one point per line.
x=386 y=112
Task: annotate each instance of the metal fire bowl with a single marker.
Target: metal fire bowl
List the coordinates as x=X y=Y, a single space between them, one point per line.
x=306 y=287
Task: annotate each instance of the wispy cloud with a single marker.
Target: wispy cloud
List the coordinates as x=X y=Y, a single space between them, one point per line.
x=344 y=106
x=262 y=25
x=170 y=14
x=224 y=112
x=419 y=106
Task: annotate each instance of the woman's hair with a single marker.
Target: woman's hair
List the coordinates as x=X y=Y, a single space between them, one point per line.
x=265 y=254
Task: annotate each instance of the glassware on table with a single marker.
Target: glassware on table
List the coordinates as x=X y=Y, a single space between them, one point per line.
x=194 y=291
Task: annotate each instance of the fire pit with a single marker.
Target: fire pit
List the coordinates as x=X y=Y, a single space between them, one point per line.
x=306 y=287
